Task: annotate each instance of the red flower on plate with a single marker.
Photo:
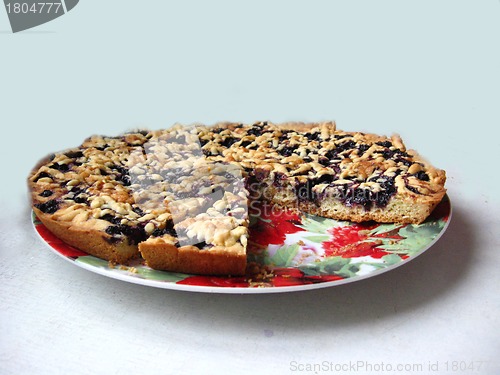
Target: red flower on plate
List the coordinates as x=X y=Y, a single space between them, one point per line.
x=280 y=277
x=58 y=245
x=215 y=281
x=353 y=241
x=324 y=278
x=288 y=277
x=294 y=277
x=273 y=225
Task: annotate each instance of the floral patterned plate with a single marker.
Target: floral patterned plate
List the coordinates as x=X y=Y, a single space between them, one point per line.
x=288 y=252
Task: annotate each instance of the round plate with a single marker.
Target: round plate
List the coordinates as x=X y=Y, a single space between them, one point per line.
x=287 y=252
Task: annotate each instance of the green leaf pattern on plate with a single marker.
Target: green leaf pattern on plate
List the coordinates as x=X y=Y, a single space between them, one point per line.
x=331 y=266
x=319 y=225
x=415 y=238
x=150 y=274
x=93 y=261
x=317 y=238
x=139 y=271
x=284 y=256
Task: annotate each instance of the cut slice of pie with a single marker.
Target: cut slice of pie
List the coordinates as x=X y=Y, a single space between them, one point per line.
x=318 y=169
x=148 y=194
x=179 y=197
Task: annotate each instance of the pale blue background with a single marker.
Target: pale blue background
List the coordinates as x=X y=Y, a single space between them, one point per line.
x=429 y=70
x=383 y=66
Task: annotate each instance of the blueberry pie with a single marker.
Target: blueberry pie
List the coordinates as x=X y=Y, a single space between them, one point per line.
x=179 y=198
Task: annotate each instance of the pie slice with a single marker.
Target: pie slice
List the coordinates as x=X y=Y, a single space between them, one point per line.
x=318 y=169
x=144 y=194
x=178 y=198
